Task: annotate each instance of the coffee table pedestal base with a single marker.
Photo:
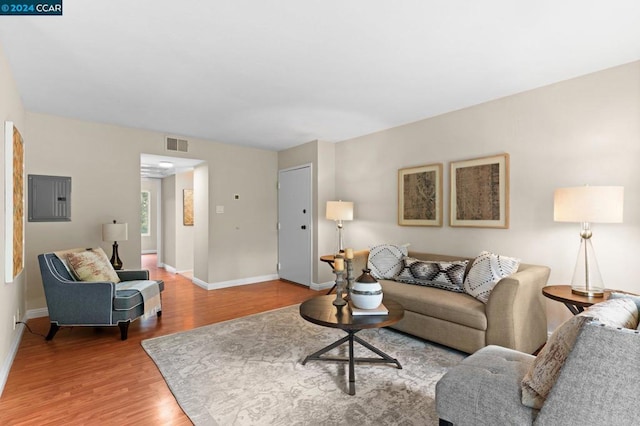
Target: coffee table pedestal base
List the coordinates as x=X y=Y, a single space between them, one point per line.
x=351 y=338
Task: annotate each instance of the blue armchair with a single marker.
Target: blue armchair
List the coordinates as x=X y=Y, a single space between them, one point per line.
x=77 y=303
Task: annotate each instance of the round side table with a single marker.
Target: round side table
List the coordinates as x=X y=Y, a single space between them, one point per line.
x=574 y=302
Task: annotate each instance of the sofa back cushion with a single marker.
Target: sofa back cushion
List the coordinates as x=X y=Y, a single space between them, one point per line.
x=539 y=380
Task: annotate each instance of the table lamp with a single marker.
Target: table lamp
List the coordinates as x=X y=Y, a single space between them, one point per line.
x=339 y=211
x=586 y=205
x=115 y=232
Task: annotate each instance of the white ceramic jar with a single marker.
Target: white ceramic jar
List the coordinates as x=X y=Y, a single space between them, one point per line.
x=366 y=291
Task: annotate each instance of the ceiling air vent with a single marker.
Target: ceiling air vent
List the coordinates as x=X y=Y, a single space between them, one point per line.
x=175 y=144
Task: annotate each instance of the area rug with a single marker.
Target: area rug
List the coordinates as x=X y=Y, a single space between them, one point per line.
x=248 y=371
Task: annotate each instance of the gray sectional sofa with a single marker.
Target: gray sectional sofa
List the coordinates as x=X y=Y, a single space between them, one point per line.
x=514 y=317
x=590 y=380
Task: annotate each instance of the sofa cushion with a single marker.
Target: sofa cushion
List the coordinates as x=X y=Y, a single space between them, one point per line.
x=385 y=260
x=486 y=270
x=539 y=380
x=92 y=265
x=457 y=308
x=444 y=275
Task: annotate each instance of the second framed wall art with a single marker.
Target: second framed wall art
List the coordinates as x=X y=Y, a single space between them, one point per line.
x=480 y=192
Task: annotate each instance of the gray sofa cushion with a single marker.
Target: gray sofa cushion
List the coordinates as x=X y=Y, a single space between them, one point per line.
x=484 y=389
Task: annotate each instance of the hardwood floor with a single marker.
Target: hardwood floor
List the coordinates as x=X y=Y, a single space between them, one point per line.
x=88 y=376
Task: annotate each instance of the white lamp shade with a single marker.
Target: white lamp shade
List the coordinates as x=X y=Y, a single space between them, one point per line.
x=593 y=204
x=114 y=232
x=340 y=210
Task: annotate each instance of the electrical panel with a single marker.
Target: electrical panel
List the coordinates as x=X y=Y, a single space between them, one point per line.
x=49 y=198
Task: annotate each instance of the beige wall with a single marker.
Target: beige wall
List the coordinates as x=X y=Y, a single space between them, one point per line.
x=104 y=164
x=169 y=222
x=581 y=131
x=12 y=295
x=150 y=242
x=184 y=234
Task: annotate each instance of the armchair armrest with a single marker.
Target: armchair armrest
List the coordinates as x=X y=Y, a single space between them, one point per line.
x=516 y=310
x=74 y=303
x=133 y=274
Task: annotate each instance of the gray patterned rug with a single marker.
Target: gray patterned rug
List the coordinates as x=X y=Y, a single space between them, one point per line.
x=248 y=371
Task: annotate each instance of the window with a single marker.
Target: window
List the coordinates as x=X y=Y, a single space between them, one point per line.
x=145 y=216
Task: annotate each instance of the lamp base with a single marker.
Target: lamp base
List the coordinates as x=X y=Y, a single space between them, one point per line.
x=587 y=293
x=115 y=259
x=587 y=280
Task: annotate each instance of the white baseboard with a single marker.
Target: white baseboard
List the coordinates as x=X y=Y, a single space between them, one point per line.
x=170 y=268
x=233 y=283
x=149 y=251
x=321 y=286
x=8 y=361
x=37 y=313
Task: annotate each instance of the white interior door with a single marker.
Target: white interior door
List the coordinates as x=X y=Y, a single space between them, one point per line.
x=294 y=225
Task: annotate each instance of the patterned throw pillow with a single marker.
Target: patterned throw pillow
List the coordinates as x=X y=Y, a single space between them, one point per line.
x=385 y=260
x=487 y=269
x=543 y=374
x=444 y=275
x=92 y=265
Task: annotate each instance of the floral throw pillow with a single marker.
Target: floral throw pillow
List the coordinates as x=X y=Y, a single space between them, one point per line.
x=91 y=266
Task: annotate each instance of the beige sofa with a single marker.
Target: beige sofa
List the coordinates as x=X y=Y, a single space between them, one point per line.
x=514 y=317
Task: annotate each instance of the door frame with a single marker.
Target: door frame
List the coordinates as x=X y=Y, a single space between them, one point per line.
x=312 y=216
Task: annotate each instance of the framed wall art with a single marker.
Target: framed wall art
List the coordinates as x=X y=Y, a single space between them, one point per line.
x=187 y=207
x=420 y=195
x=480 y=192
x=14 y=202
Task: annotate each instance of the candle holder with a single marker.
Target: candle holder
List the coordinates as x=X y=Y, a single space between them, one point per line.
x=350 y=277
x=339 y=300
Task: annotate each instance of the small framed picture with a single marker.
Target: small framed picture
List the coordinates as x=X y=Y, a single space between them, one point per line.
x=420 y=195
x=480 y=192
x=187 y=207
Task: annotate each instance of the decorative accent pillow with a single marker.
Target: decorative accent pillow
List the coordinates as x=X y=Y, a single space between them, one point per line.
x=92 y=265
x=487 y=269
x=539 y=380
x=444 y=275
x=385 y=260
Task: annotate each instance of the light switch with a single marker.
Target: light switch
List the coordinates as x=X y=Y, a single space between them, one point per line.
x=219 y=209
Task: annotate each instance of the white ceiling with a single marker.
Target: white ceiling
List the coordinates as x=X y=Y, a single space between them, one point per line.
x=277 y=73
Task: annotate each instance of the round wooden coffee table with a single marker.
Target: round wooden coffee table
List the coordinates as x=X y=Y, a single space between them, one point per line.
x=320 y=310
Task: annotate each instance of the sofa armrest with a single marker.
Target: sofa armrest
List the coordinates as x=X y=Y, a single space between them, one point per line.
x=516 y=310
x=598 y=382
x=133 y=274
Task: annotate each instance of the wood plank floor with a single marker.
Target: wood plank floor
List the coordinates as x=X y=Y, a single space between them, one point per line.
x=88 y=376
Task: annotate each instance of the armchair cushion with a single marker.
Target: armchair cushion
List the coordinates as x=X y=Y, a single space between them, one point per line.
x=92 y=265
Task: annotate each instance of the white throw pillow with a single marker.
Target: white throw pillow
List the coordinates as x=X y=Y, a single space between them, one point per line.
x=385 y=260
x=487 y=269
